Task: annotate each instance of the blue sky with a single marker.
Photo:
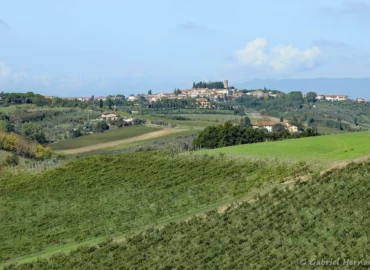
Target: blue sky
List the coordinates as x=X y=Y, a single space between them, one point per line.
x=99 y=47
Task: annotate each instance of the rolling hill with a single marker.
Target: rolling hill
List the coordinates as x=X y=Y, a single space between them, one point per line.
x=324 y=219
x=327 y=150
x=92 y=198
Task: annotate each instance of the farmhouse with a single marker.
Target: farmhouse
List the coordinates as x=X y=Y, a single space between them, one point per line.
x=110 y=116
x=266 y=125
x=203 y=102
x=258 y=94
x=132 y=98
x=291 y=128
x=360 y=100
x=333 y=97
x=101 y=98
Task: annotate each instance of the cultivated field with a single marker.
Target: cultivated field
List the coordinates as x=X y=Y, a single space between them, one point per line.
x=325 y=150
x=169 y=135
x=113 y=144
x=112 y=195
x=108 y=136
x=286 y=228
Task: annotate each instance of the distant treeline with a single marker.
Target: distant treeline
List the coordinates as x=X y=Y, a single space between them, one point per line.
x=228 y=134
x=211 y=85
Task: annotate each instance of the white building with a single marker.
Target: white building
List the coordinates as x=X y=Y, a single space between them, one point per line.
x=132 y=98
x=332 y=97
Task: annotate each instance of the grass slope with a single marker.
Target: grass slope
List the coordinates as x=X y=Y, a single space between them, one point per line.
x=111 y=135
x=111 y=150
x=324 y=149
x=323 y=219
x=111 y=195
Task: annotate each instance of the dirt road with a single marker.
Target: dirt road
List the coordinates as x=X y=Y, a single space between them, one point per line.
x=146 y=136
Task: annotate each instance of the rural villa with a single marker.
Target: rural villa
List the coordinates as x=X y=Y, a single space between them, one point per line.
x=110 y=116
x=332 y=97
x=269 y=126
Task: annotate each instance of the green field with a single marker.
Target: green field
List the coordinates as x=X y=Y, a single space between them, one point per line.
x=108 y=136
x=110 y=150
x=288 y=228
x=102 y=196
x=323 y=149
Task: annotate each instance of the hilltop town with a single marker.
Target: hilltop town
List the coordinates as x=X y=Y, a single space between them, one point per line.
x=210 y=94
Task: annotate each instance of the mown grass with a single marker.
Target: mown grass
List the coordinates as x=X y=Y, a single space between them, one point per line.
x=112 y=195
x=325 y=219
x=107 y=136
x=323 y=149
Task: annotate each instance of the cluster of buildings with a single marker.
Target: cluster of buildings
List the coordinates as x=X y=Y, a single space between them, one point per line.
x=338 y=98
x=269 y=126
x=205 y=95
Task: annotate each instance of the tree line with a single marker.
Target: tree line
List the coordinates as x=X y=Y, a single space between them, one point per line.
x=211 y=85
x=228 y=134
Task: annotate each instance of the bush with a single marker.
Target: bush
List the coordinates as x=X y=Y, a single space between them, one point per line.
x=14 y=143
x=12 y=160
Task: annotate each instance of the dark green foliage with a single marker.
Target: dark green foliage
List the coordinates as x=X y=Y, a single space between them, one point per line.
x=278 y=127
x=228 y=134
x=210 y=85
x=311 y=97
x=159 y=122
x=33 y=132
x=101 y=103
x=323 y=219
x=12 y=160
x=76 y=133
x=245 y=122
x=100 y=126
x=110 y=195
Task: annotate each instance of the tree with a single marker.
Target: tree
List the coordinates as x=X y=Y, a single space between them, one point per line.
x=101 y=103
x=12 y=160
x=281 y=119
x=278 y=127
x=311 y=97
x=150 y=92
x=110 y=103
x=33 y=132
x=245 y=122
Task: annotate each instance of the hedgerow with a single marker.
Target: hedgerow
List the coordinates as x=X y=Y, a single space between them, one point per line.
x=14 y=143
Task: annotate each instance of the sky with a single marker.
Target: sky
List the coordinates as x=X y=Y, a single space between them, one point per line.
x=75 y=48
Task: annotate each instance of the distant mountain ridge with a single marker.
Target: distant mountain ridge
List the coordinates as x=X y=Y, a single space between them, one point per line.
x=353 y=87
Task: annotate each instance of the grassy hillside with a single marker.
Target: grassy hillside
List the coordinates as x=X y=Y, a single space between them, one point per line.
x=325 y=149
x=323 y=219
x=111 y=195
x=111 y=135
x=137 y=144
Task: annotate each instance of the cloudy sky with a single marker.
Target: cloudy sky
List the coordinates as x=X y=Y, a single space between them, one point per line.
x=118 y=46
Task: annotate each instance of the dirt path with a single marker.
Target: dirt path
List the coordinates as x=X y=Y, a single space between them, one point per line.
x=146 y=136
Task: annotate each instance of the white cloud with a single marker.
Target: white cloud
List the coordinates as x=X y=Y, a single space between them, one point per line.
x=253 y=53
x=279 y=59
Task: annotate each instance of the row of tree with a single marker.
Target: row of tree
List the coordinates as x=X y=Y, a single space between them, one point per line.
x=210 y=85
x=228 y=134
